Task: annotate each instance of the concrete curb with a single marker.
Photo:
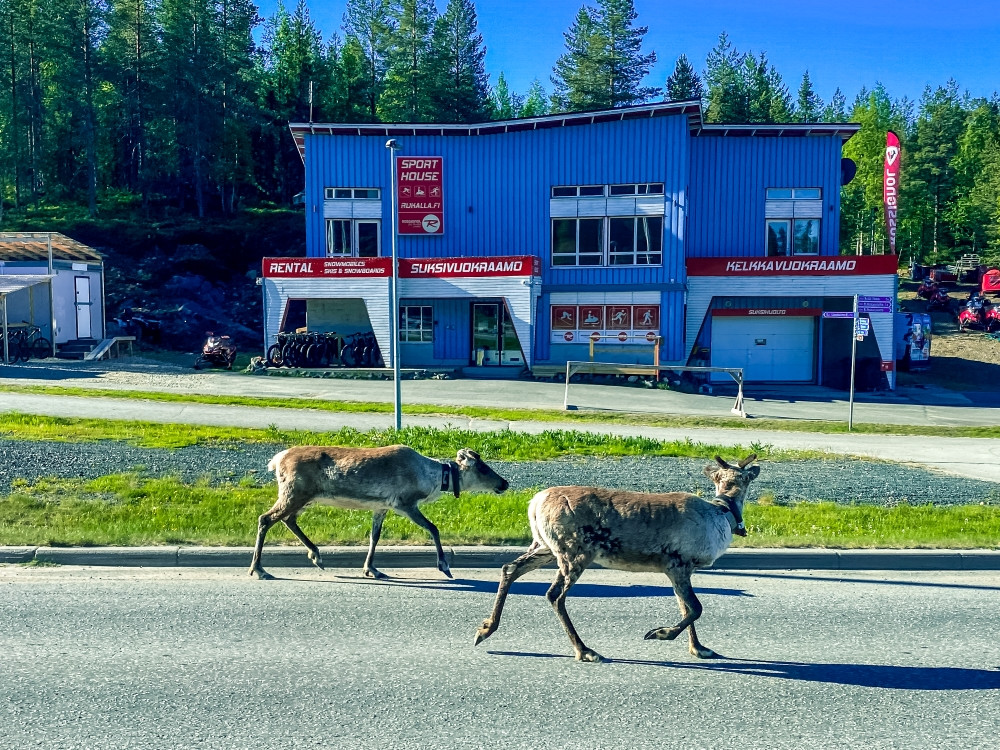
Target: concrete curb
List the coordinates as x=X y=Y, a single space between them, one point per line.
x=492 y=557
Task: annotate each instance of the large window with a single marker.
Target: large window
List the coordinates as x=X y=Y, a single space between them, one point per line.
x=416 y=324
x=794 y=217
x=613 y=240
x=357 y=238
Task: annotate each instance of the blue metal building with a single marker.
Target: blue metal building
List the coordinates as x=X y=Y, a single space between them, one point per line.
x=564 y=237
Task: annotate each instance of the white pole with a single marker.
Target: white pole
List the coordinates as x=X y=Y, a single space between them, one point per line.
x=854 y=356
x=6 y=350
x=392 y=145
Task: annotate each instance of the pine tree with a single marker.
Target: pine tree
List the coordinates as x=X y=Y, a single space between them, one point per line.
x=684 y=83
x=603 y=65
x=808 y=105
x=725 y=83
x=460 y=86
x=409 y=79
x=535 y=104
x=368 y=22
x=504 y=104
x=836 y=110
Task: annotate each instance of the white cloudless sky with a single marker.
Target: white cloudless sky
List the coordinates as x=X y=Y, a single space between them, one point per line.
x=850 y=44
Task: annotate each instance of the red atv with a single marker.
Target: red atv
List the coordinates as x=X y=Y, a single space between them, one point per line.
x=979 y=314
x=937 y=298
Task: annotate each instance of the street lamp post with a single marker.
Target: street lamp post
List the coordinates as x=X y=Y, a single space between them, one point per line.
x=392 y=146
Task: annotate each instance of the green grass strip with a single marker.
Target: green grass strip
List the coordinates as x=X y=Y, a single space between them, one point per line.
x=517 y=415
x=131 y=510
x=500 y=444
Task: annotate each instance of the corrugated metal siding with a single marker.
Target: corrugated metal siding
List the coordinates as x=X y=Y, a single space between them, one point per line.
x=497 y=187
x=728 y=179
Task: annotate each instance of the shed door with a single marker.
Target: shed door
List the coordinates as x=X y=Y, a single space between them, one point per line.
x=776 y=349
x=83 y=329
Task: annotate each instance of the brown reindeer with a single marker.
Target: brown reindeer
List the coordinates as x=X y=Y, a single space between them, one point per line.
x=674 y=532
x=393 y=478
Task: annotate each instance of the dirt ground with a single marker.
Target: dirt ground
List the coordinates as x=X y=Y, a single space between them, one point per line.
x=963 y=361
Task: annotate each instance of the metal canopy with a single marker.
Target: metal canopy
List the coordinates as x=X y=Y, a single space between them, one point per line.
x=15 y=283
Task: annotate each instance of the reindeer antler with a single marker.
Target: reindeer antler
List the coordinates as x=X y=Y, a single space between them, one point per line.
x=748 y=460
x=721 y=462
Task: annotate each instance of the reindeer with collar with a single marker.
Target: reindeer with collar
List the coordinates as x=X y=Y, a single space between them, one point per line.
x=674 y=533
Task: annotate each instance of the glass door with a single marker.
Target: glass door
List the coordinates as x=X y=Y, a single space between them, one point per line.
x=486 y=334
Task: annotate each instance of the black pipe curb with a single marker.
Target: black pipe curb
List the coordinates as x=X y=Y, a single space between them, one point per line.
x=492 y=557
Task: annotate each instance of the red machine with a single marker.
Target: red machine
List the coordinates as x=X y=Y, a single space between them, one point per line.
x=991 y=282
x=979 y=313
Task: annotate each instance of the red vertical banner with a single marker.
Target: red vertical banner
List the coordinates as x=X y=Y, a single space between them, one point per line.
x=420 y=192
x=890 y=187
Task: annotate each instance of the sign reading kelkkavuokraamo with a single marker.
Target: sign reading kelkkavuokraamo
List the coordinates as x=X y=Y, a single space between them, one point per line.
x=420 y=194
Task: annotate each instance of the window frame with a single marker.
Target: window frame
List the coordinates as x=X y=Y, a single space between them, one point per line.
x=790 y=236
x=426 y=314
x=330 y=194
x=354 y=251
x=607 y=255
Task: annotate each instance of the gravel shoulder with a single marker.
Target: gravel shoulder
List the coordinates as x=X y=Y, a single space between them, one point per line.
x=839 y=480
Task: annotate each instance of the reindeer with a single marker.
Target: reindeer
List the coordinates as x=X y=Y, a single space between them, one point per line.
x=674 y=532
x=377 y=479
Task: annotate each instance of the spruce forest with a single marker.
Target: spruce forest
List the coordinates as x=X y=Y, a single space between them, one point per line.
x=124 y=112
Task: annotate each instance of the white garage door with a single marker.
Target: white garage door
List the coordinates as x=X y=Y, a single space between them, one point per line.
x=775 y=348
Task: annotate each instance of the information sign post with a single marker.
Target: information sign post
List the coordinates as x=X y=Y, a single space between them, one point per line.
x=854 y=358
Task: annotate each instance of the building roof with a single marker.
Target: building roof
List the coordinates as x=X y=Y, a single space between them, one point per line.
x=22 y=246
x=691 y=108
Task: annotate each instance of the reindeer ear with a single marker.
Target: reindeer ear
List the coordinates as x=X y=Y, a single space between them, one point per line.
x=754 y=472
x=709 y=471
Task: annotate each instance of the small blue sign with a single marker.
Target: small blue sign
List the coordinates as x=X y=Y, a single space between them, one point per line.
x=874 y=304
x=837 y=314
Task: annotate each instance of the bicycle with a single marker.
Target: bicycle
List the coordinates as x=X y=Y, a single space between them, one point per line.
x=34 y=343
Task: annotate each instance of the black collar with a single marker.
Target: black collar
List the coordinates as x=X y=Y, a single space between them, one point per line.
x=728 y=505
x=449 y=475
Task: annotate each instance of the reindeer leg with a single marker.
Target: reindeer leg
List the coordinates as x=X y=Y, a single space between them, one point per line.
x=570 y=570
x=265 y=522
x=423 y=522
x=313 y=551
x=534 y=558
x=691 y=610
x=369 y=570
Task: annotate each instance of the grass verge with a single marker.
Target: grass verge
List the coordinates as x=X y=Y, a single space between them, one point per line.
x=518 y=415
x=131 y=510
x=500 y=444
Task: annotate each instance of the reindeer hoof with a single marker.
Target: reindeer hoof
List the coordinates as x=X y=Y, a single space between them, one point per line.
x=662 y=634
x=443 y=567
x=704 y=653
x=376 y=574
x=590 y=656
x=260 y=574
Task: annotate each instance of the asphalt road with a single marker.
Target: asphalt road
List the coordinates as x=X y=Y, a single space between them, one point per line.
x=107 y=658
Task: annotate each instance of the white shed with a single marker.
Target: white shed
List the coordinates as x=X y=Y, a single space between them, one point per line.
x=53 y=282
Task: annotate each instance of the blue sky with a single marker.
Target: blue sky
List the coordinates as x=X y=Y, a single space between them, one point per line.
x=848 y=43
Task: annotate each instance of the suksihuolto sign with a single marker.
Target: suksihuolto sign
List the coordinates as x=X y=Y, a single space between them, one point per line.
x=420 y=195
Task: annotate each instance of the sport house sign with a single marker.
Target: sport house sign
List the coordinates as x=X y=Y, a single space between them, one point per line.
x=419 y=195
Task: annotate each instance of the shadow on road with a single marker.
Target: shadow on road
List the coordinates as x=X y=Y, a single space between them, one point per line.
x=844 y=579
x=535 y=588
x=862 y=675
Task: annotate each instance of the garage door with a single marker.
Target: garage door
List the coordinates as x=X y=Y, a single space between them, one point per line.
x=779 y=349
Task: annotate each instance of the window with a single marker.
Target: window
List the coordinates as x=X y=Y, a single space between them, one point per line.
x=635 y=240
x=578 y=191
x=631 y=241
x=793 y=236
x=643 y=188
x=416 y=324
x=794 y=194
x=793 y=217
x=356 y=238
x=577 y=242
x=352 y=194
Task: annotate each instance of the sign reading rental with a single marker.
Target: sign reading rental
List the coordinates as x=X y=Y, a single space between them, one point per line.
x=420 y=194
x=296 y=268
